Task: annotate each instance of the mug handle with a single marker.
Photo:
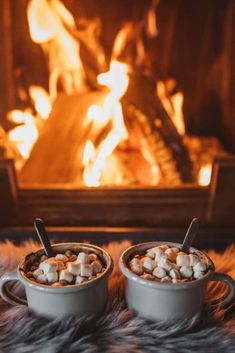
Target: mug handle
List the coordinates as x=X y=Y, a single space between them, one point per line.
x=227 y=299
x=5 y=292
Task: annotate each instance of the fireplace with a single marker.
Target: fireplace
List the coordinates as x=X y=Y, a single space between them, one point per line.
x=117 y=115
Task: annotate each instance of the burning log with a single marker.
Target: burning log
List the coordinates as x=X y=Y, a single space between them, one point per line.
x=161 y=134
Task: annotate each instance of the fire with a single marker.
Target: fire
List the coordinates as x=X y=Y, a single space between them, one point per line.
x=116 y=79
x=173 y=104
x=51 y=25
x=204 y=175
x=24 y=135
x=41 y=101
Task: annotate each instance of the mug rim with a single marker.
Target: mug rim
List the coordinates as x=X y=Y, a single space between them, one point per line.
x=70 y=288
x=162 y=286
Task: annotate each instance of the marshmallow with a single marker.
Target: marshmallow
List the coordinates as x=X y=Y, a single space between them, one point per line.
x=194 y=259
x=86 y=270
x=80 y=279
x=52 y=277
x=56 y=284
x=166 y=264
x=163 y=247
x=150 y=253
x=62 y=257
x=43 y=258
x=147 y=276
x=47 y=266
x=148 y=264
x=159 y=272
x=65 y=275
x=74 y=268
x=96 y=267
x=42 y=279
x=93 y=257
x=200 y=266
x=174 y=274
x=136 y=266
x=60 y=265
x=198 y=274
x=171 y=254
x=182 y=260
x=186 y=271
x=37 y=272
x=83 y=258
x=166 y=279
x=161 y=257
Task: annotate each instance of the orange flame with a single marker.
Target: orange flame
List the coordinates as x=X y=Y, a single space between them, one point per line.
x=41 y=101
x=116 y=79
x=204 y=175
x=173 y=105
x=25 y=135
x=50 y=24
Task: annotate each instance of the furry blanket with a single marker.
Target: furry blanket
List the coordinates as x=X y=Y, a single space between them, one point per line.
x=118 y=329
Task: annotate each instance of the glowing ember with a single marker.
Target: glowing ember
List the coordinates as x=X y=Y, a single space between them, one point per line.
x=24 y=135
x=116 y=79
x=204 y=175
x=41 y=101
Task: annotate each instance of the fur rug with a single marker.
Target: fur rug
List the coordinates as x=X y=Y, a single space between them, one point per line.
x=117 y=330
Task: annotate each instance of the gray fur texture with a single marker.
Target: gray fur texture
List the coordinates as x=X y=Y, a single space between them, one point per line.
x=116 y=331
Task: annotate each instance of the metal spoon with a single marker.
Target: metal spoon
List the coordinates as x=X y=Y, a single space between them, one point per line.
x=190 y=235
x=42 y=234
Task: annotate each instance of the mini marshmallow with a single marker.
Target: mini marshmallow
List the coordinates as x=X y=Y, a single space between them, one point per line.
x=93 y=257
x=62 y=257
x=157 y=251
x=174 y=274
x=60 y=265
x=37 y=272
x=166 y=264
x=74 y=268
x=200 y=266
x=198 y=274
x=166 y=279
x=186 y=271
x=80 y=279
x=47 y=266
x=147 y=276
x=161 y=257
x=52 y=277
x=43 y=258
x=148 y=263
x=42 y=279
x=159 y=272
x=182 y=260
x=163 y=247
x=171 y=254
x=96 y=267
x=83 y=258
x=65 y=275
x=86 y=270
x=136 y=266
x=194 y=259
x=176 y=250
x=150 y=253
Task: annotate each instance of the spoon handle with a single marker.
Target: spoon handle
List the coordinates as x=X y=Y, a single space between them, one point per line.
x=190 y=235
x=42 y=234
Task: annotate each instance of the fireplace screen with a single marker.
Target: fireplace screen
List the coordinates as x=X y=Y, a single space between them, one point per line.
x=116 y=94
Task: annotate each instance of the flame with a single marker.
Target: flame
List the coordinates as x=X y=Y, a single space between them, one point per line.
x=204 y=175
x=116 y=79
x=41 y=101
x=25 y=135
x=173 y=105
x=51 y=25
x=152 y=29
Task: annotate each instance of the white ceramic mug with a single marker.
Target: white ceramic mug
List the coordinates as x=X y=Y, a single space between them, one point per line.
x=168 y=301
x=87 y=298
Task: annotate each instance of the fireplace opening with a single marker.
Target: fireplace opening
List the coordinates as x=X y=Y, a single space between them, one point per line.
x=117 y=95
